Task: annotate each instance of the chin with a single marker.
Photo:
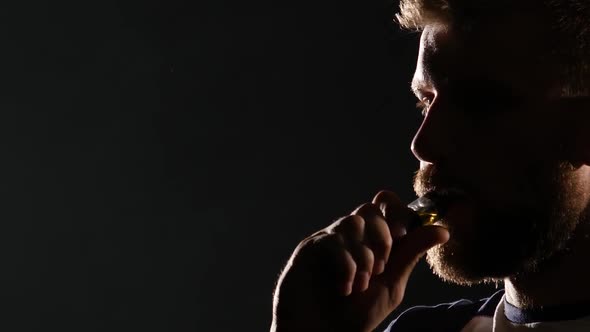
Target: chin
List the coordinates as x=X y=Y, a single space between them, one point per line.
x=516 y=235
x=456 y=264
x=500 y=246
x=484 y=248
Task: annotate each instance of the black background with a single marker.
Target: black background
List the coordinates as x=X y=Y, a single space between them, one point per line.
x=161 y=159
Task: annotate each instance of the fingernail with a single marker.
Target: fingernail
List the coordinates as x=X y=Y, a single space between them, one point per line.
x=383 y=207
x=379 y=267
x=347 y=288
x=398 y=231
x=362 y=281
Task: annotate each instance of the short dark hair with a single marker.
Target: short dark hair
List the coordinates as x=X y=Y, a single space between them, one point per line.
x=569 y=21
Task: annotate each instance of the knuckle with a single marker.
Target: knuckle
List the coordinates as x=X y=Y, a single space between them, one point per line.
x=368 y=254
x=390 y=205
x=327 y=241
x=348 y=262
x=382 y=246
x=387 y=242
x=315 y=237
x=386 y=196
x=356 y=223
x=352 y=224
x=361 y=207
x=321 y=248
x=313 y=243
x=398 y=230
x=378 y=235
x=364 y=257
x=336 y=222
x=368 y=210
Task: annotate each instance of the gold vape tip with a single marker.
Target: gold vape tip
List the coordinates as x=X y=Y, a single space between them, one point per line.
x=427 y=212
x=431 y=207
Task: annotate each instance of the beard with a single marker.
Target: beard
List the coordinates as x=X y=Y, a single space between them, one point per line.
x=512 y=236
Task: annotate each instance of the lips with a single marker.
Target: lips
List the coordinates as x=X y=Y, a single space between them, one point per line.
x=433 y=206
x=444 y=198
x=459 y=217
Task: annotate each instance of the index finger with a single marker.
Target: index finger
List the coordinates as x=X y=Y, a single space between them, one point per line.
x=394 y=211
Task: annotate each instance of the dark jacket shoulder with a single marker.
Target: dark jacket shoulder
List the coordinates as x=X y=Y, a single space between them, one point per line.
x=447 y=317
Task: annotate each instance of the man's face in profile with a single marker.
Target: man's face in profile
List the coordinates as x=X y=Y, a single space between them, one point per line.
x=495 y=127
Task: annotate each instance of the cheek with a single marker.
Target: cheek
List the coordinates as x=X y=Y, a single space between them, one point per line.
x=506 y=155
x=504 y=166
x=575 y=189
x=526 y=131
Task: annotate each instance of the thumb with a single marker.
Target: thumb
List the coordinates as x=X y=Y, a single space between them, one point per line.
x=408 y=251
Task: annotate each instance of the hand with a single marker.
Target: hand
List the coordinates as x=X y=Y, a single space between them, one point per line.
x=352 y=274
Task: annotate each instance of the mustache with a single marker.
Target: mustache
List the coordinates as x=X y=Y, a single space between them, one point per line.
x=432 y=178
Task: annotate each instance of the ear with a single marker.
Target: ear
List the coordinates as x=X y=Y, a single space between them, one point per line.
x=577 y=138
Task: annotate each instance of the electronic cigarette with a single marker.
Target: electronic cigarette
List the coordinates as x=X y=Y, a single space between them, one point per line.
x=429 y=209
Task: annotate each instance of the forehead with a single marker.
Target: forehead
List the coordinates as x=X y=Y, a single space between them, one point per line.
x=511 y=51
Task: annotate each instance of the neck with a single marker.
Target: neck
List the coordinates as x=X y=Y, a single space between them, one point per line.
x=563 y=281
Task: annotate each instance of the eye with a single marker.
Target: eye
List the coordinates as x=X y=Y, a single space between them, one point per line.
x=423 y=105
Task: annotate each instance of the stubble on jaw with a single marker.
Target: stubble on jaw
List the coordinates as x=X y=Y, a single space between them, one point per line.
x=515 y=239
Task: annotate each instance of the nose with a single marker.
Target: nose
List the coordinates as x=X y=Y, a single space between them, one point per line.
x=433 y=142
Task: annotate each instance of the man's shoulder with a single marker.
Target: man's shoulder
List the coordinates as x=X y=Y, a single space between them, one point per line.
x=448 y=317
